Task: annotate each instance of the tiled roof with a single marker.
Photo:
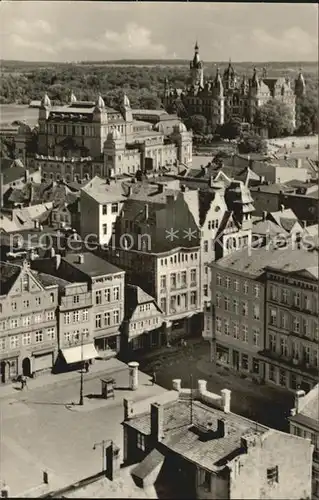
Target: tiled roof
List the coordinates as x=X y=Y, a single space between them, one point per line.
x=49 y=280
x=308 y=413
x=264 y=227
x=13 y=174
x=181 y=436
x=102 y=192
x=272 y=188
x=253 y=261
x=8 y=275
x=134 y=296
x=92 y=266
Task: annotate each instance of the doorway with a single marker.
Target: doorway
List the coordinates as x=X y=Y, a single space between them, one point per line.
x=4 y=372
x=26 y=367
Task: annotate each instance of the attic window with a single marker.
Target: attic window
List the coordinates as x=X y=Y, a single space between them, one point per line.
x=217 y=209
x=272 y=475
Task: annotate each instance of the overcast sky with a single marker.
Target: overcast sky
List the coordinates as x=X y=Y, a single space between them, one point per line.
x=72 y=31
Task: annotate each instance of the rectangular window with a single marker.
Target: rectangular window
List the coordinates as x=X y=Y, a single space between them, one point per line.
x=236 y=330
x=51 y=333
x=282 y=378
x=193 y=276
x=256 y=291
x=193 y=298
x=2 y=344
x=296 y=325
x=85 y=315
x=284 y=296
x=14 y=306
x=256 y=336
x=107 y=319
x=107 y=294
x=104 y=229
x=244 y=361
x=205 y=246
x=245 y=308
x=246 y=288
x=14 y=341
x=26 y=304
x=283 y=347
x=163 y=305
x=272 y=342
x=26 y=338
x=26 y=320
x=245 y=333
x=218 y=299
x=226 y=327
x=219 y=279
x=116 y=293
x=284 y=320
x=38 y=318
x=114 y=208
x=104 y=209
x=163 y=282
x=273 y=292
x=256 y=313
x=226 y=303
x=173 y=280
x=273 y=316
x=236 y=286
x=272 y=373
x=98 y=321
x=14 y=323
x=98 y=297
x=39 y=336
x=235 y=306
x=76 y=316
x=76 y=299
x=50 y=315
x=140 y=441
x=205 y=289
x=116 y=317
x=67 y=318
x=183 y=278
x=25 y=283
x=218 y=325
x=227 y=282
x=296 y=299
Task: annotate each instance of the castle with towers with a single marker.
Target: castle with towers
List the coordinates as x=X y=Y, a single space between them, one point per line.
x=82 y=139
x=227 y=96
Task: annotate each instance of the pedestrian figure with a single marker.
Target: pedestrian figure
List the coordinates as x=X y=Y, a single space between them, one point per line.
x=154 y=378
x=86 y=366
x=23 y=382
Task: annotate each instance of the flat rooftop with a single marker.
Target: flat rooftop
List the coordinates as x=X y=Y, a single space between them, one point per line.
x=92 y=266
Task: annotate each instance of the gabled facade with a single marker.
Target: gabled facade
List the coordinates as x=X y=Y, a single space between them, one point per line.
x=28 y=322
x=142 y=327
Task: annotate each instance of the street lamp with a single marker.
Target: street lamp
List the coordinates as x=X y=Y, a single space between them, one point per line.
x=81 y=373
x=103 y=446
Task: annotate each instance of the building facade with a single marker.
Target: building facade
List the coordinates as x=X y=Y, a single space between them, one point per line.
x=228 y=96
x=292 y=327
x=28 y=306
x=83 y=139
x=304 y=423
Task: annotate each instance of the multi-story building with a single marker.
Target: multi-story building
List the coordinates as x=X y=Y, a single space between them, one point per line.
x=227 y=96
x=304 y=422
x=244 y=334
x=83 y=139
x=28 y=322
x=101 y=203
x=291 y=352
x=106 y=286
x=142 y=327
x=195 y=447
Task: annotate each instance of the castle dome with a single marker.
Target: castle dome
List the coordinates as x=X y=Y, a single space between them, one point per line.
x=72 y=98
x=159 y=127
x=181 y=127
x=229 y=71
x=114 y=135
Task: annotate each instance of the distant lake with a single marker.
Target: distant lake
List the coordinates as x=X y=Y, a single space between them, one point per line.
x=11 y=112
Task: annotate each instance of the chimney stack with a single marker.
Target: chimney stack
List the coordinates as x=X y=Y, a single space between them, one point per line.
x=1 y=188
x=282 y=208
x=161 y=188
x=298 y=163
x=226 y=395
x=157 y=422
x=128 y=408
x=298 y=398
x=81 y=259
x=264 y=215
x=222 y=429
x=146 y=212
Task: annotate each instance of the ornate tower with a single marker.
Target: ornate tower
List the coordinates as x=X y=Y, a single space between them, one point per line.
x=44 y=112
x=196 y=69
x=300 y=85
x=229 y=77
x=218 y=112
x=114 y=148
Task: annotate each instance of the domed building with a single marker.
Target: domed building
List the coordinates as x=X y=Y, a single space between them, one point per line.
x=227 y=96
x=83 y=138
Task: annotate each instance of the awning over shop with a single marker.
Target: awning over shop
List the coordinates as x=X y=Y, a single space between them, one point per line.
x=79 y=353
